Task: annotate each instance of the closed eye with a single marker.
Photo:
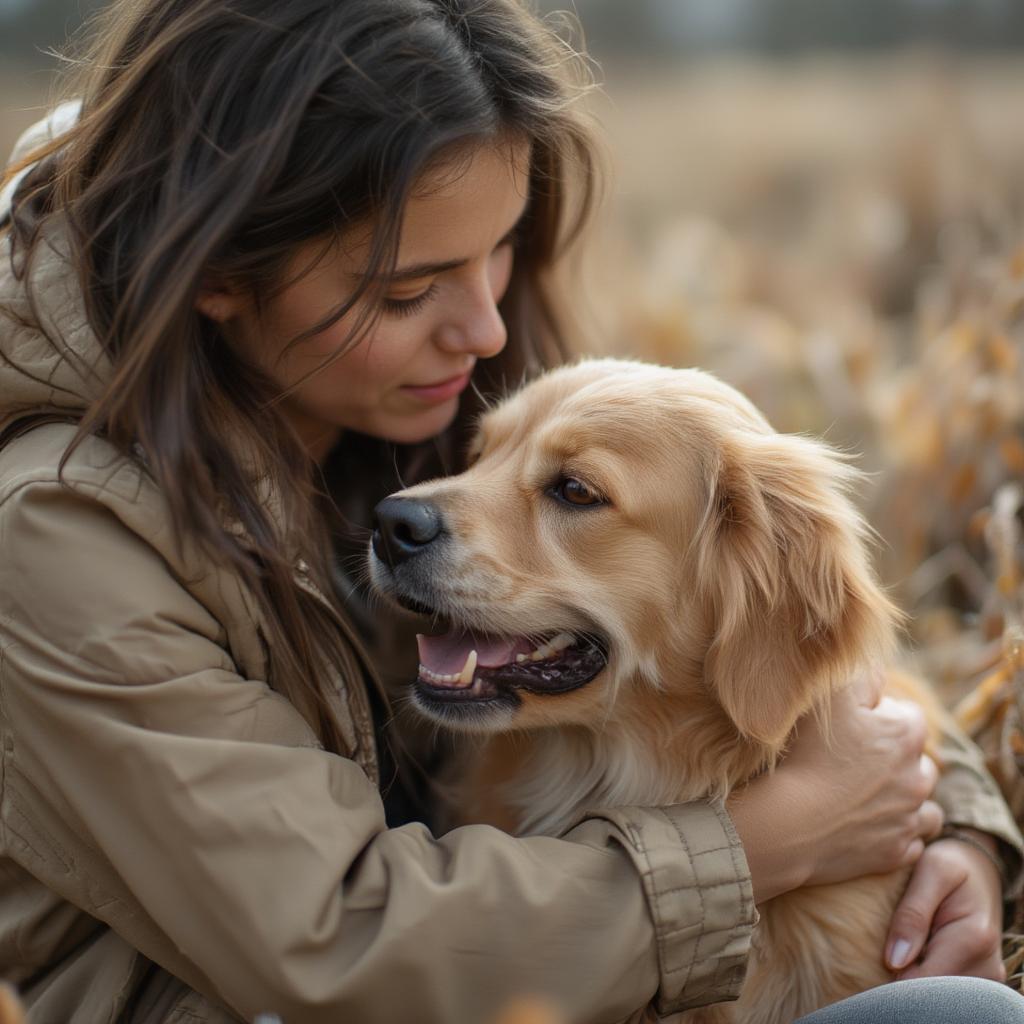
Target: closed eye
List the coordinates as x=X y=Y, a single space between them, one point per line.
x=407 y=307
x=410 y=306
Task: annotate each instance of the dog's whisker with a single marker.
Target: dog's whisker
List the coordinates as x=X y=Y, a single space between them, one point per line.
x=394 y=465
x=487 y=403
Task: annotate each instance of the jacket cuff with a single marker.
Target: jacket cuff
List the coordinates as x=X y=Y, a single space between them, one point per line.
x=701 y=900
x=970 y=798
x=988 y=813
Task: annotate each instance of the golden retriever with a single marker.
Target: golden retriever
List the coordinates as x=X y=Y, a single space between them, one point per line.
x=642 y=588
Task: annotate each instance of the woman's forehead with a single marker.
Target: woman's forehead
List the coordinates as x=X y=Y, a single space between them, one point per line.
x=469 y=205
x=460 y=213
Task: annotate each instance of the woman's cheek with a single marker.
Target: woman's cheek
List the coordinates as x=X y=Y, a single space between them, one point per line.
x=387 y=355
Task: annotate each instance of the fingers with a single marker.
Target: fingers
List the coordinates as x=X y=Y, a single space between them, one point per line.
x=929 y=820
x=930 y=771
x=906 y=726
x=991 y=968
x=906 y=717
x=912 y=854
x=867 y=686
x=969 y=949
x=918 y=789
x=913 y=918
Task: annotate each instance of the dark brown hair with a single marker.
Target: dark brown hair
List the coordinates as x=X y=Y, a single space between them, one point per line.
x=216 y=136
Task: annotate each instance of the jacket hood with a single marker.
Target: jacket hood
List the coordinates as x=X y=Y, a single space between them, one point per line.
x=50 y=359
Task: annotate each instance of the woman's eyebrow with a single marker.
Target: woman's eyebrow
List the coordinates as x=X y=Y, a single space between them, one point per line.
x=421 y=270
x=417 y=270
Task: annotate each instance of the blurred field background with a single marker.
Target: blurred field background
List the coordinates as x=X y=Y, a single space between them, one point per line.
x=822 y=202
x=840 y=237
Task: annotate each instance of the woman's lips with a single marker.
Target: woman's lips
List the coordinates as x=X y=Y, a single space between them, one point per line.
x=442 y=391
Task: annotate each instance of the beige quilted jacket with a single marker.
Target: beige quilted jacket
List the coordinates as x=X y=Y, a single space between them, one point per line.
x=174 y=845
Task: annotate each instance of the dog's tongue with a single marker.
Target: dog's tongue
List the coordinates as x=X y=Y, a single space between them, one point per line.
x=447 y=653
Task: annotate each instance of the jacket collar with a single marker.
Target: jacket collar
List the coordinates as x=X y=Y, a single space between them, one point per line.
x=50 y=359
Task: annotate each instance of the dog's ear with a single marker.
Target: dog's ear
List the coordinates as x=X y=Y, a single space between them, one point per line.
x=782 y=563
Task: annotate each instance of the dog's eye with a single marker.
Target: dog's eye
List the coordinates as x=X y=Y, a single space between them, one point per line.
x=576 y=492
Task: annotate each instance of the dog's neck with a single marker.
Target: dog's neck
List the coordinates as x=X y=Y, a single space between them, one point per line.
x=646 y=754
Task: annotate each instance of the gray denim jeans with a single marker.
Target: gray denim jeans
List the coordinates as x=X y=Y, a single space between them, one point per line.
x=927 y=1001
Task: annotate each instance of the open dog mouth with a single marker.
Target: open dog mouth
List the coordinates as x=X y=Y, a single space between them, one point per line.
x=469 y=666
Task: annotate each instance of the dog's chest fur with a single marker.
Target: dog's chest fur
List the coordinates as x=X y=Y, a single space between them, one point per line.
x=811 y=946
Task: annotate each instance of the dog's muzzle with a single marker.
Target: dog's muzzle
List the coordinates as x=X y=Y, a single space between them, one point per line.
x=466 y=666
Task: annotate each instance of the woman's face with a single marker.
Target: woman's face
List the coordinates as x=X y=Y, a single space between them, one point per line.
x=403 y=380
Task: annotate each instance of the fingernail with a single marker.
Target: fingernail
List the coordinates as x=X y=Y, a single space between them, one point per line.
x=899 y=954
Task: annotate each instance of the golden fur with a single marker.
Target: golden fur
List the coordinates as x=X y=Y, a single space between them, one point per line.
x=727 y=569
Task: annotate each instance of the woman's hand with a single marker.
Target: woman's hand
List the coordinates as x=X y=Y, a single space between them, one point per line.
x=852 y=803
x=951 y=916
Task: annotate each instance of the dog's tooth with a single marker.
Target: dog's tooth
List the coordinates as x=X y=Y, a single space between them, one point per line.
x=466 y=675
x=521 y=658
x=558 y=643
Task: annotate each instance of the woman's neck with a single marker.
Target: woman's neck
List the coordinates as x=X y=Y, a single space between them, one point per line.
x=316 y=436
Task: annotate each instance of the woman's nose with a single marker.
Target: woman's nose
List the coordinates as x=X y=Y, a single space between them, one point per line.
x=474 y=324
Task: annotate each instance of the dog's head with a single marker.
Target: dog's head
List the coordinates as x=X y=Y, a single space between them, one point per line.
x=623 y=531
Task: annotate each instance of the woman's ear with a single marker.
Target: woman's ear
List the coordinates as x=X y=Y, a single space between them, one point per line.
x=219 y=303
x=795 y=606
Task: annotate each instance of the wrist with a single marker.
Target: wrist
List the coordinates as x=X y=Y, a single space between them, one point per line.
x=778 y=858
x=984 y=843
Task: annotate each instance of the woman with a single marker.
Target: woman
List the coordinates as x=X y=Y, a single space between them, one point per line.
x=279 y=235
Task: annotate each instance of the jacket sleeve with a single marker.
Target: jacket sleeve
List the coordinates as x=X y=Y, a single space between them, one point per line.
x=970 y=797
x=150 y=784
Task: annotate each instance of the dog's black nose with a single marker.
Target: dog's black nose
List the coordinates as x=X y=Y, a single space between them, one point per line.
x=404 y=528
